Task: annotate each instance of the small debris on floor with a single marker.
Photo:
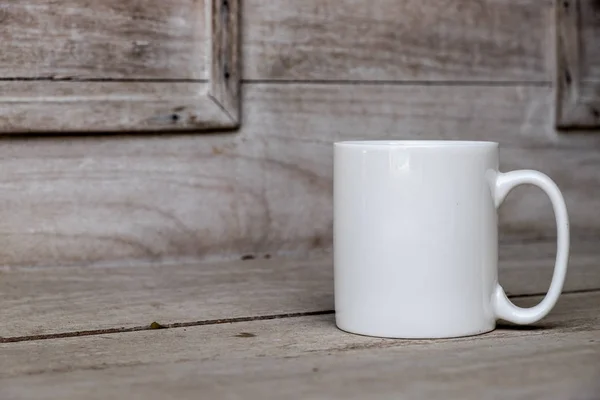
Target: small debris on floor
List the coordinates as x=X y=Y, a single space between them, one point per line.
x=245 y=334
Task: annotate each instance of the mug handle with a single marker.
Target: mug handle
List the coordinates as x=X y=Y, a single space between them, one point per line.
x=503 y=307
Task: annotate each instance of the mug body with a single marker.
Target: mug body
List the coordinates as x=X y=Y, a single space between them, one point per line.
x=415 y=237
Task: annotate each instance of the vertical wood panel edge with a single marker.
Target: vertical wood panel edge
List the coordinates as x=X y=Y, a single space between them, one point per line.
x=576 y=104
x=225 y=61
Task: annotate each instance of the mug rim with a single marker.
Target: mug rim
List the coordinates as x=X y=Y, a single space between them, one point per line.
x=417 y=143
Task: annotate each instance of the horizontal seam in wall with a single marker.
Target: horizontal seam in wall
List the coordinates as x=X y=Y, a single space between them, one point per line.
x=398 y=82
x=300 y=81
x=75 y=80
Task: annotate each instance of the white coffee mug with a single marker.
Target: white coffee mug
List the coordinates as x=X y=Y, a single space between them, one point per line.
x=416 y=238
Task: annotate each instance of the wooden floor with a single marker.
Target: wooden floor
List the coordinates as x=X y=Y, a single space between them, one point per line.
x=260 y=329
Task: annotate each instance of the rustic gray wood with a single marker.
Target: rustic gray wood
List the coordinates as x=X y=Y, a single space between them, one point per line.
x=268 y=188
x=87 y=300
x=526 y=268
x=42 y=106
x=47 y=107
x=590 y=49
x=309 y=358
x=491 y=40
x=108 y=39
x=384 y=40
x=225 y=63
x=578 y=64
x=42 y=301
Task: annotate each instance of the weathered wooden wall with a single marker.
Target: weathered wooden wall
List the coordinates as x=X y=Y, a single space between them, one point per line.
x=577 y=77
x=315 y=71
x=108 y=39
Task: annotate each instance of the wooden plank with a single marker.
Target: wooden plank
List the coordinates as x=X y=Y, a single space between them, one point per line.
x=50 y=107
x=58 y=300
x=578 y=64
x=109 y=39
x=225 y=70
x=526 y=268
x=268 y=188
x=459 y=40
x=309 y=358
x=590 y=49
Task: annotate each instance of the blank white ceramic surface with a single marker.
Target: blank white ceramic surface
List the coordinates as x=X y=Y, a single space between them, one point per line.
x=416 y=238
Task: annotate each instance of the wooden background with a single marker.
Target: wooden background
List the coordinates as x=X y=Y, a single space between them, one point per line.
x=577 y=77
x=105 y=238
x=314 y=71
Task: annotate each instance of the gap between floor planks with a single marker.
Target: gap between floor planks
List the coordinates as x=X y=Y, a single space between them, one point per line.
x=557 y=358
x=157 y=325
x=42 y=302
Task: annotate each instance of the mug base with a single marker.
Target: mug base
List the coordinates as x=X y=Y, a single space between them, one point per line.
x=417 y=337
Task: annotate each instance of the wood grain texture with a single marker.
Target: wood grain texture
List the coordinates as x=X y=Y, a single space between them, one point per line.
x=208 y=100
x=80 y=299
x=308 y=358
x=589 y=33
x=225 y=57
x=455 y=40
x=268 y=188
x=50 y=107
x=109 y=39
x=578 y=64
x=58 y=300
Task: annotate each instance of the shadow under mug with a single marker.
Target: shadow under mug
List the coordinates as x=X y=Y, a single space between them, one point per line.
x=416 y=238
